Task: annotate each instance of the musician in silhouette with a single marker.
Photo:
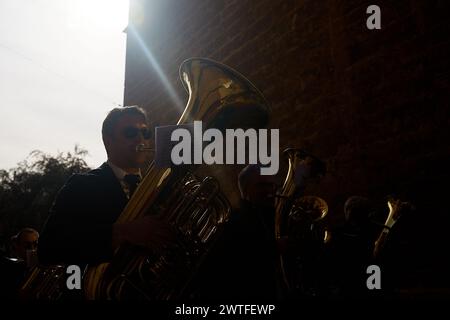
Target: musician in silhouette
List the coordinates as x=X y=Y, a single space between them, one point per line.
x=82 y=227
x=24 y=245
x=15 y=264
x=242 y=264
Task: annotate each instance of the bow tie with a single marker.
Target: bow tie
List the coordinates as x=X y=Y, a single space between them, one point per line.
x=132 y=180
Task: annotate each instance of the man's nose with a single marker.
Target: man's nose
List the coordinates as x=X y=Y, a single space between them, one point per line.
x=139 y=137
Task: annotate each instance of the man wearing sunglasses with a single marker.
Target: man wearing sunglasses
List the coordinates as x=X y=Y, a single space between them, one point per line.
x=81 y=227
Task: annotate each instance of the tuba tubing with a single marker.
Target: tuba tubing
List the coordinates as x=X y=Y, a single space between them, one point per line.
x=222 y=98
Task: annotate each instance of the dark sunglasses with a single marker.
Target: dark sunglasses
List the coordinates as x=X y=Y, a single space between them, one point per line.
x=133 y=132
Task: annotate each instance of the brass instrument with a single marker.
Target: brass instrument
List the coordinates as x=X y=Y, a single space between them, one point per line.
x=44 y=283
x=299 y=219
x=221 y=98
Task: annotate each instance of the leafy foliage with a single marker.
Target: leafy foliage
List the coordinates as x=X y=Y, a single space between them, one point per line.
x=27 y=191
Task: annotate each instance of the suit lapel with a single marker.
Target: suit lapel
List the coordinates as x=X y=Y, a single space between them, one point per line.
x=113 y=186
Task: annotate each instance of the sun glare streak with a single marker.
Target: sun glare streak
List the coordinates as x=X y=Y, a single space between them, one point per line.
x=151 y=59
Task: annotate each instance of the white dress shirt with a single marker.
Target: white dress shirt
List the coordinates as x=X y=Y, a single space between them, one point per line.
x=120 y=174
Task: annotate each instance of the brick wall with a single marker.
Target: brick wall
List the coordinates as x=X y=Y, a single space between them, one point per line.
x=372 y=104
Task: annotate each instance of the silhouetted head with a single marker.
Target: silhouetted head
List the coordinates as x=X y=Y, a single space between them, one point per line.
x=122 y=131
x=25 y=240
x=256 y=188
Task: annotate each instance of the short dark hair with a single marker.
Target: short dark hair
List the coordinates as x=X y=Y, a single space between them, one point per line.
x=116 y=114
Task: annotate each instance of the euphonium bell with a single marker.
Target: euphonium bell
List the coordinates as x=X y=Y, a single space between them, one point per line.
x=298 y=218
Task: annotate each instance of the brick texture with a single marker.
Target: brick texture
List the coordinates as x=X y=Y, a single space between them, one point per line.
x=373 y=104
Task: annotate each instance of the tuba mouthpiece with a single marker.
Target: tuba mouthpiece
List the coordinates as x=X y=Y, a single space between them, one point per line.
x=142 y=148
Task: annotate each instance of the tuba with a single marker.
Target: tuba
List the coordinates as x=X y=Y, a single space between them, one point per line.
x=195 y=207
x=299 y=220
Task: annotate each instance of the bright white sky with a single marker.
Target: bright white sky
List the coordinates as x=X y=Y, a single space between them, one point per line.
x=62 y=67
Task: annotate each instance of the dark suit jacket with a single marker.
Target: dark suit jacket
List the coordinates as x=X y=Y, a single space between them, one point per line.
x=241 y=265
x=79 y=227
